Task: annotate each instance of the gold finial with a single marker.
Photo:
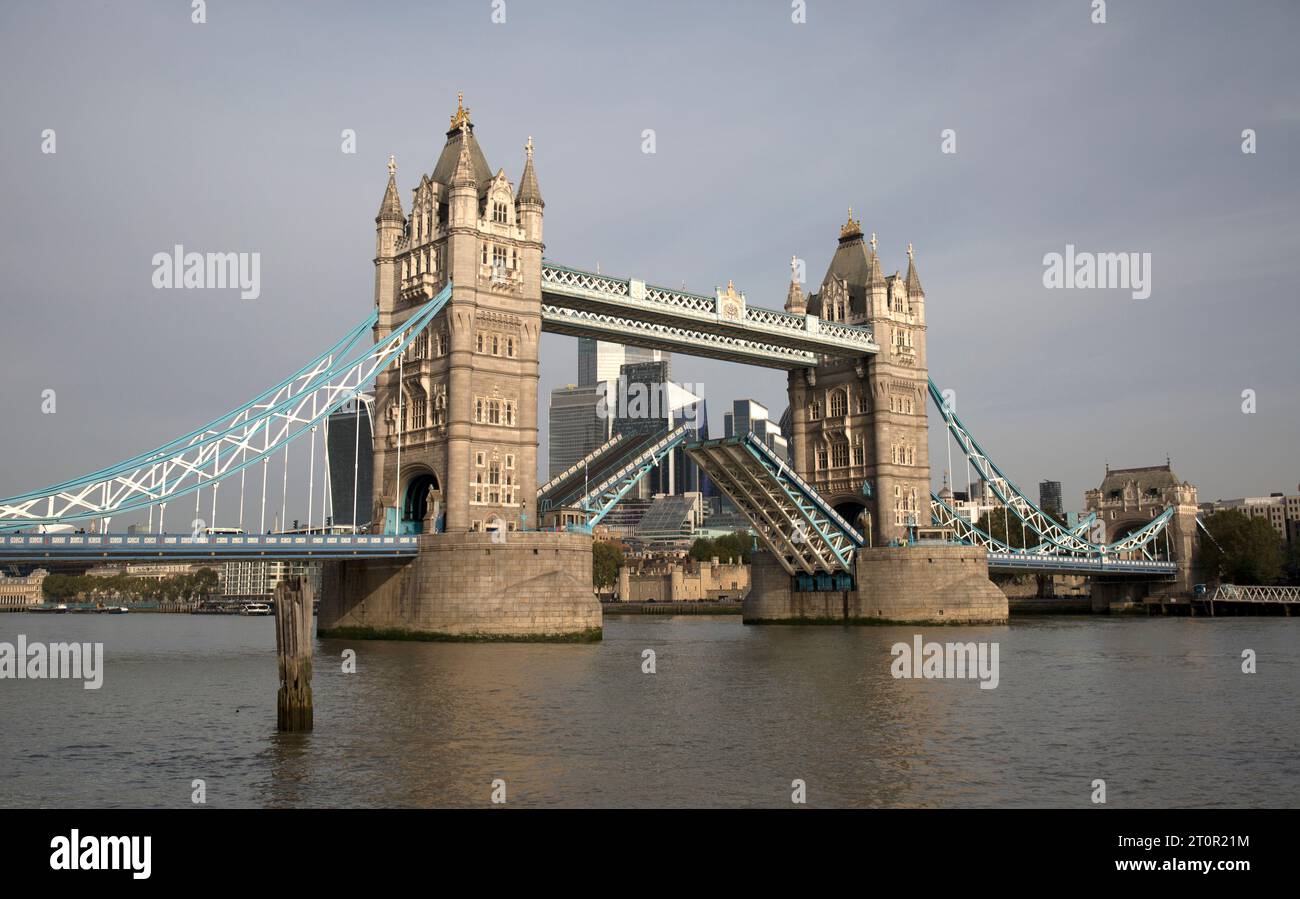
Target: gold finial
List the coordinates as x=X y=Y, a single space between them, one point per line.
x=909 y=251
x=873 y=241
x=794 y=266
x=528 y=147
x=461 y=118
x=731 y=288
x=392 y=164
x=850 y=228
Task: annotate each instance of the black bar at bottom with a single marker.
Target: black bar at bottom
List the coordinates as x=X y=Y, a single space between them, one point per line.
x=332 y=848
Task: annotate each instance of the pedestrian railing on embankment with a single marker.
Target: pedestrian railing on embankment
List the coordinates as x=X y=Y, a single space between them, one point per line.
x=1234 y=593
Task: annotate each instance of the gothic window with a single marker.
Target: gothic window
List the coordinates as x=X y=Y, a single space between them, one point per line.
x=510 y=413
x=485 y=254
x=862 y=401
x=905 y=507
x=839 y=404
x=510 y=461
x=494 y=412
x=478 y=459
x=478 y=410
x=499 y=259
x=814 y=411
x=821 y=459
x=479 y=342
x=499 y=214
x=840 y=455
x=510 y=347
x=859 y=455
x=496 y=345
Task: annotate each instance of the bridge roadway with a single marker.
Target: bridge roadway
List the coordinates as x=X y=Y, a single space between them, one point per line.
x=232 y=547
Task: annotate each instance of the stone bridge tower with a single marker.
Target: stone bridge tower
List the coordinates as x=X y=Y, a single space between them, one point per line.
x=465 y=422
x=858 y=427
x=1129 y=498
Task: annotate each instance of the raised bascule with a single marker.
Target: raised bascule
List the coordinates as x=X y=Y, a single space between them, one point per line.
x=463 y=541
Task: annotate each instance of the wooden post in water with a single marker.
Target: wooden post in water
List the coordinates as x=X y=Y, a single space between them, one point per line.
x=293 y=608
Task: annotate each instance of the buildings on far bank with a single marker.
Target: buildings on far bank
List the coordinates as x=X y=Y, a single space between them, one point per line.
x=258 y=579
x=678 y=578
x=1281 y=510
x=18 y=593
x=1049 y=496
x=750 y=415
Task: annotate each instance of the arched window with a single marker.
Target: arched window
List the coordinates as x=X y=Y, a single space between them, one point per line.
x=839 y=404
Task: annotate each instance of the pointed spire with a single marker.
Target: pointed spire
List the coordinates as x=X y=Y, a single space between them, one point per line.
x=529 y=192
x=390 y=209
x=463 y=176
x=794 y=300
x=913 y=281
x=875 y=277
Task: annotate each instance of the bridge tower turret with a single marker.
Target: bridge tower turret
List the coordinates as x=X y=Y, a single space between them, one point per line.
x=859 y=426
x=389 y=225
x=464 y=423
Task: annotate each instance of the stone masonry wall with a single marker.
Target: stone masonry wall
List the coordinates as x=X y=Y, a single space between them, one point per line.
x=537 y=585
x=931 y=585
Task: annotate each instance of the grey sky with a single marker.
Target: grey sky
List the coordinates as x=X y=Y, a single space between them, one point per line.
x=1117 y=137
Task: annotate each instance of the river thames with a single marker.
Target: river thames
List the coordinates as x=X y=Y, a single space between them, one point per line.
x=1159 y=708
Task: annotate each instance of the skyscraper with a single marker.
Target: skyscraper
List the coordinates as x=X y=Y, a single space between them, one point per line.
x=578 y=424
x=351 y=461
x=600 y=361
x=648 y=402
x=1049 y=495
x=749 y=415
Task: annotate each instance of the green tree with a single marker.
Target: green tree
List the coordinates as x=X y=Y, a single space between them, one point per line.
x=703 y=549
x=606 y=558
x=1291 y=563
x=1244 y=550
x=1001 y=524
x=736 y=545
x=207 y=580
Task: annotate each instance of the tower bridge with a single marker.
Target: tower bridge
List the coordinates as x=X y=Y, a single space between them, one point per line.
x=462 y=294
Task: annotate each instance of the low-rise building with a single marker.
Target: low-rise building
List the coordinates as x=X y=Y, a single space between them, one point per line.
x=156 y=571
x=240 y=579
x=1280 y=510
x=18 y=593
x=679 y=578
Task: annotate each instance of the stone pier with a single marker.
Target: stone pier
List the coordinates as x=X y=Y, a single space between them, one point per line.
x=466 y=586
x=913 y=585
